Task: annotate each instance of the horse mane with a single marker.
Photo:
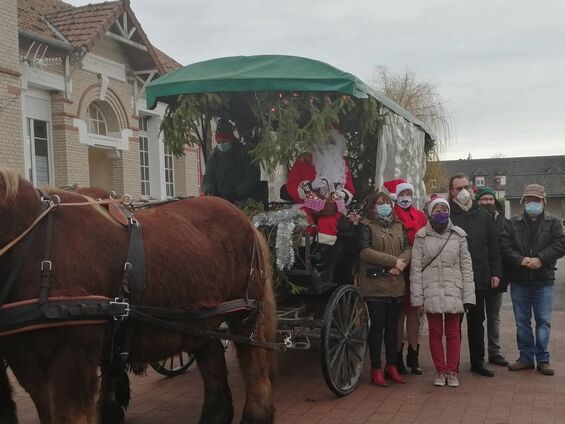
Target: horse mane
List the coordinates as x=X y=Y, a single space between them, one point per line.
x=12 y=182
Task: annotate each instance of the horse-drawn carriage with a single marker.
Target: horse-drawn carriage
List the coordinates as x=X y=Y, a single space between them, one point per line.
x=81 y=292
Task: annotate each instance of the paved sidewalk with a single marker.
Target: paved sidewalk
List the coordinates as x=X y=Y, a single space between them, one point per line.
x=302 y=396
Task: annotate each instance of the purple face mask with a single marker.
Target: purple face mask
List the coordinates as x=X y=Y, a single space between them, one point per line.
x=440 y=218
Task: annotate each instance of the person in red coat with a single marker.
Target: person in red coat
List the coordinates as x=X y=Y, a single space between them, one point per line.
x=412 y=219
x=323 y=170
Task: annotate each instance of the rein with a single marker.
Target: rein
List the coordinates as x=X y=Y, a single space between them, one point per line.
x=54 y=205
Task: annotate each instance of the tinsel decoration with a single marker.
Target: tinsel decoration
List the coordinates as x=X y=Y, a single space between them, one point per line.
x=283 y=245
x=285 y=221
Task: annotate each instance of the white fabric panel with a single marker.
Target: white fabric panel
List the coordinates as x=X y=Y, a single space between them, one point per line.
x=400 y=154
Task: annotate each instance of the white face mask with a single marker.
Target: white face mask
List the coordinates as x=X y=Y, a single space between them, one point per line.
x=463 y=196
x=404 y=201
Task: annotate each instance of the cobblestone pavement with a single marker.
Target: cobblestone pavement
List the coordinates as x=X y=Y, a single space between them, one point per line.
x=301 y=395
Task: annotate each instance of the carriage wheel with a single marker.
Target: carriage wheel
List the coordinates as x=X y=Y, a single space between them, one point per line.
x=344 y=339
x=175 y=365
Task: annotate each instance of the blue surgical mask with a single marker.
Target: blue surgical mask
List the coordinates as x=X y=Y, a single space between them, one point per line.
x=534 y=208
x=404 y=202
x=383 y=211
x=224 y=147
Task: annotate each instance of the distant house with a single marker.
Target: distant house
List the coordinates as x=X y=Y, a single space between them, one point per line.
x=72 y=100
x=508 y=177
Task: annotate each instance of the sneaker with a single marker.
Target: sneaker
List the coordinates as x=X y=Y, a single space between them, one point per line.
x=545 y=369
x=520 y=365
x=498 y=360
x=452 y=379
x=439 y=379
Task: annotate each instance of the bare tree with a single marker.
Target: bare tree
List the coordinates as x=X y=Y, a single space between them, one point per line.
x=421 y=99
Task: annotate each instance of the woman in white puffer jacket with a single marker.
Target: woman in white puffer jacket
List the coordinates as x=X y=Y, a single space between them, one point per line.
x=441 y=283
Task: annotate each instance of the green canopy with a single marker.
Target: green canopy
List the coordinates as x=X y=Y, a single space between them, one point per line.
x=263 y=73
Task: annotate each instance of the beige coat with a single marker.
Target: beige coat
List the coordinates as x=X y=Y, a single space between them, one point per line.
x=386 y=246
x=447 y=283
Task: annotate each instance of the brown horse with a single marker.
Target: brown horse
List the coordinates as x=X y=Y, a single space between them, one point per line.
x=198 y=255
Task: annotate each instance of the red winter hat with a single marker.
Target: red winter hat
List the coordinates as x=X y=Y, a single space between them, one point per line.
x=395 y=187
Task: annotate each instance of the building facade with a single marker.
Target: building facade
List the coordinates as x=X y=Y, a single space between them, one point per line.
x=72 y=102
x=508 y=177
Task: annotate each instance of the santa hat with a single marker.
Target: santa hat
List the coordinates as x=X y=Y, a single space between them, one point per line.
x=395 y=187
x=436 y=199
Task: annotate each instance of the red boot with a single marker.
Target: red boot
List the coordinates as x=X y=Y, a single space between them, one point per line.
x=378 y=378
x=392 y=373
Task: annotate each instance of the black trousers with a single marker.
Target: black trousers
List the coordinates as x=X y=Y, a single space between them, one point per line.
x=384 y=313
x=475 y=327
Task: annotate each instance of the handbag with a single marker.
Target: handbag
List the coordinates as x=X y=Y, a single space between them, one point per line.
x=438 y=253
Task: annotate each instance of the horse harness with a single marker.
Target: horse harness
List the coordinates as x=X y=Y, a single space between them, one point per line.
x=125 y=309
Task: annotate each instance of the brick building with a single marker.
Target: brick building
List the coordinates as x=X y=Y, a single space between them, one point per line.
x=72 y=102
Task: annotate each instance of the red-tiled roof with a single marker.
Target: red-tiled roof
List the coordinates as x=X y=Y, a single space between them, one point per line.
x=168 y=62
x=30 y=14
x=84 y=25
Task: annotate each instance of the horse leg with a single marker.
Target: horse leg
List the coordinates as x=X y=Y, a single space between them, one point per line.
x=218 y=407
x=114 y=394
x=7 y=405
x=62 y=385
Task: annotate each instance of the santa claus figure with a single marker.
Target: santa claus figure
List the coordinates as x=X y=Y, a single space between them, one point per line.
x=326 y=172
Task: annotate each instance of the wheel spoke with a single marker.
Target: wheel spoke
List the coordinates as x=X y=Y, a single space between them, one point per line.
x=359 y=357
x=353 y=317
x=337 y=354
x=181 y=359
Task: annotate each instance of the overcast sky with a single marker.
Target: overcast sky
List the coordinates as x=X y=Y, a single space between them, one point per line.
x=499 y=64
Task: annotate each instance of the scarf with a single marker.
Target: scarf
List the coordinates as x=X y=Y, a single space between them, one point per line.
x=412 y=219
x=464 y=207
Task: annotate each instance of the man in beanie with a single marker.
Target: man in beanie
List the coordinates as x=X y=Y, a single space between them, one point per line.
x=486 y=198
x=402 y=192
x=532 y=243
x=487 y=265
x=230 y=174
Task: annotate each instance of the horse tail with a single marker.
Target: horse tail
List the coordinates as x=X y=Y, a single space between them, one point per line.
x=268 y=318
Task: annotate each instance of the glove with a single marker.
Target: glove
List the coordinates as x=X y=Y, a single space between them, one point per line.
x=467 y=306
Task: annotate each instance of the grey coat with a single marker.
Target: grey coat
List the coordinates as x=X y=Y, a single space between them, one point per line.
x=447 y=283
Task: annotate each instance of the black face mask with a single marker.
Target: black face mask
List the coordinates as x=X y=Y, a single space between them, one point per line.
x=438 y=228
x=491 y=209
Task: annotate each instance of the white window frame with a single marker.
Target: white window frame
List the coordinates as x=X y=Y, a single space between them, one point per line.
x=145 y=172
x=36 y=105
x=480 y=181
x=31 y=138
x=169 y=168
x=95 y=122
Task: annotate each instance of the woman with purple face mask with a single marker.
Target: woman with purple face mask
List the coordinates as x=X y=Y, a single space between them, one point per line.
x=441 y=284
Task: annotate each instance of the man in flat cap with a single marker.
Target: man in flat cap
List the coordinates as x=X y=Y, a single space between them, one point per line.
x=532 y=243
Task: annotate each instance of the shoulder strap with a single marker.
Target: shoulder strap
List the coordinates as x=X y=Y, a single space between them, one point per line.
x=439 y=252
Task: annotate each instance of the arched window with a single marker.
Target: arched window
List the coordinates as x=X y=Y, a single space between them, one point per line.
x=97 y=122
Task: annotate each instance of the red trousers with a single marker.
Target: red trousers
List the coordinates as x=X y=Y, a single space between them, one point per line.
x=327 y=225
x=448 y=324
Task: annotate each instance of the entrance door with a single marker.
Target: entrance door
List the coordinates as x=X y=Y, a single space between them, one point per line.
x=99 y=168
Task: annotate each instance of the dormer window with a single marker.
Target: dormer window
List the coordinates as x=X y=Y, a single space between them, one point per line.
x=500 y=180
x=480 y=181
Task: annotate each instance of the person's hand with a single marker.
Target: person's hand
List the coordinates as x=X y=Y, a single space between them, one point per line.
x=400 y=264
x=494 y=282
x=354 y=217
x=419 y=309
x=467 y=306
x=526 y=261
x=394 y=271
x=535 y=263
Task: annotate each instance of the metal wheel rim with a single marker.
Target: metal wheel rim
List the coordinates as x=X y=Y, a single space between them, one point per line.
x=174 y=365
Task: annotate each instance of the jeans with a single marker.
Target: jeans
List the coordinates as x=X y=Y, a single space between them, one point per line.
x=539 y=299
x=492 y=303
x=447 y=361
x=384 y=315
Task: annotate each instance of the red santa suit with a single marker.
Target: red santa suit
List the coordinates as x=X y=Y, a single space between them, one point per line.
x=325 y=164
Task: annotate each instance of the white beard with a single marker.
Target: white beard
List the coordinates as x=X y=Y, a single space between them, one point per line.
x=329 y=163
